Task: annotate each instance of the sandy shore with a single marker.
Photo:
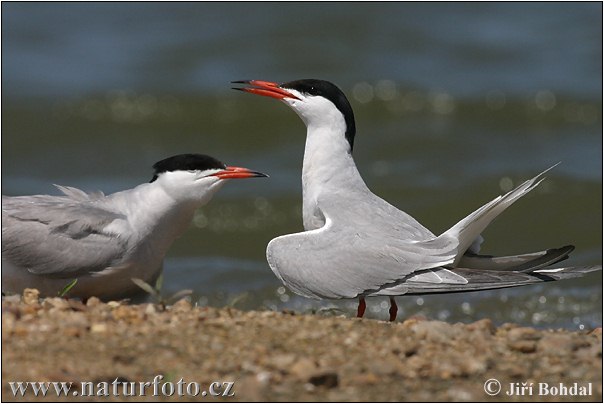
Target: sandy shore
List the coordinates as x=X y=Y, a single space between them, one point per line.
x=272 y=356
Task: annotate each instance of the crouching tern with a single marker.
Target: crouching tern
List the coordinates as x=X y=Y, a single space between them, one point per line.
x=358 y=245
x=105 y=241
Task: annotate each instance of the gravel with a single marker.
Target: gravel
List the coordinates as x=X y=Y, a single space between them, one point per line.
x=284 y=356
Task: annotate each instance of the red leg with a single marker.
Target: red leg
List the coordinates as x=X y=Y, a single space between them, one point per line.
x=361 y=308
x=393 y=309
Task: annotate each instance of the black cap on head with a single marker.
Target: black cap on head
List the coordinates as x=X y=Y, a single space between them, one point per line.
x=333 y=94
x=186 y=162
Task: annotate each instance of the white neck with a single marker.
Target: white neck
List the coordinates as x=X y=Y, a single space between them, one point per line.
x=328 y=169
x=155 y=217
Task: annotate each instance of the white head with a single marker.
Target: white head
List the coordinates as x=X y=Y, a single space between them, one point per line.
x=196 y=177
x=319 y=103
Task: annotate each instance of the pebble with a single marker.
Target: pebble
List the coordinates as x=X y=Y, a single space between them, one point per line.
x=523 y=333
x=30 y=296
x=93 y=301
x=485 y=325
x=327 y=379
x=303 y=368
x=523 y=346
x=98 y=328
x=564 y=343
x=435 y=331
x=283 y=361
x=57 y=303
x=277 y=357
x=182 y=305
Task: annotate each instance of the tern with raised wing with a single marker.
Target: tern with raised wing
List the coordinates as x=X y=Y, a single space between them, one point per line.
x=105 y=241
x=358 y=245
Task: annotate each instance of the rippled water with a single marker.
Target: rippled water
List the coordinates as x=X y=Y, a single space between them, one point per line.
x=455 y=103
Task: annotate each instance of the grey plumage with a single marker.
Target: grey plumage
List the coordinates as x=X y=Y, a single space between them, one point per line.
x=59 y=236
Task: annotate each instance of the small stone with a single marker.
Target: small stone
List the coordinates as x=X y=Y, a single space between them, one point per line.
x=303 y=368
x=283 y=361
x=366 y=378
x=327 y=379
x=459 y=394
x=150 y=309
x=436 y=331
x=523 y=333
x=523 y=346
x=523 y=339
x=93 y=301
x=98 y=328
x=20 y=330
x=264 y=378
x=559 y=343
x=384 y=367
x=71 y=331
x=76 y=305
x=485 y=325
x=181 y=306
x=472 y=365
x=113 y=304
x=57 y=303
x=251 y=388
x=11 y=298
x=413 y=320
x=30 y=296
x=30 y=309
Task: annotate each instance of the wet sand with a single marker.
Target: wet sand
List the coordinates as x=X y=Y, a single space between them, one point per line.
x=283 y=356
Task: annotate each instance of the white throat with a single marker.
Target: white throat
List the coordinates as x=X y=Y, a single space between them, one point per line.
x=154 y=215
x=327 y=170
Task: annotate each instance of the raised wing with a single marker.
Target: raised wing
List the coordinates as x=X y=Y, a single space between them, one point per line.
x=469 y=228
x=58 y=236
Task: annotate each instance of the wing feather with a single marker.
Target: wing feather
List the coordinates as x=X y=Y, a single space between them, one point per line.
x=468 y=229
x=337 y=261
x=60 y=236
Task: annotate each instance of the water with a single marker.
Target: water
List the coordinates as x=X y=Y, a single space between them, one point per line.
x=454 y=104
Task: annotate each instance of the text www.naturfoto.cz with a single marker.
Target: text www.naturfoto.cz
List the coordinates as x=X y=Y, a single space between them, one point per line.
x=119 y=388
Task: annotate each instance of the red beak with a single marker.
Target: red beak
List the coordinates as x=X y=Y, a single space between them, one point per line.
x=231 y=172
x=265 y=88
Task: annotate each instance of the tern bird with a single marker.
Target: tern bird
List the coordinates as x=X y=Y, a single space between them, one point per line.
x=357 y=245
x=105 y=241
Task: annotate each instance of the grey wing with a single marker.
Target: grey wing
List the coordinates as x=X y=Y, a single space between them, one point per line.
x=337 y=262
x=57 y=236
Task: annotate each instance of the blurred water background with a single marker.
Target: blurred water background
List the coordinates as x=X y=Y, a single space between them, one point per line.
x=455 y=103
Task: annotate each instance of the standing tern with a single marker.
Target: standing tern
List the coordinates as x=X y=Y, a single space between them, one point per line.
x=105 y=241
x=357 y=245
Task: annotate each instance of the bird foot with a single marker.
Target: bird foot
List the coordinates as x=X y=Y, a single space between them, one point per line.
x=361 y=308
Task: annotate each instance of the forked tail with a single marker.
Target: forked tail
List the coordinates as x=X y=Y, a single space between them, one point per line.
x=469 y=228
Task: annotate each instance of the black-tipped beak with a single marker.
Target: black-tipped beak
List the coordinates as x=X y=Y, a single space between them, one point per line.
x=264 y=88
x=231 y=172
